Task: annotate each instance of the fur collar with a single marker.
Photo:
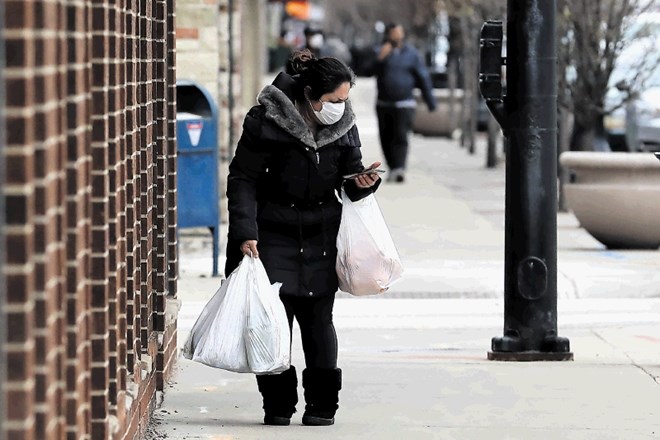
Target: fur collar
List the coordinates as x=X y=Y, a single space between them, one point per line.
x=281 y=110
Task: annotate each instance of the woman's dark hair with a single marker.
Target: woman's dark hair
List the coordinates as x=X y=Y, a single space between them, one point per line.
x=322 y=75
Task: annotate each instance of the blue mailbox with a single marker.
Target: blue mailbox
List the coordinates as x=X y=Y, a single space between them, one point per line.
x=197 y=161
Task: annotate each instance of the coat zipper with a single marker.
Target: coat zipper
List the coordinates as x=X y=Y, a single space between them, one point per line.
x=318 y=158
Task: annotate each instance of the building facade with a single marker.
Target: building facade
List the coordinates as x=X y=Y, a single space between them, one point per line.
x=221 y=44
x=89 y=270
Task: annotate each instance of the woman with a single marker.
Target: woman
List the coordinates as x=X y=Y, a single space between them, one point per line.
x=283 y=208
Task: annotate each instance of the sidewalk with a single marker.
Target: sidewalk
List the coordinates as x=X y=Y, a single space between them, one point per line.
x=414 y=360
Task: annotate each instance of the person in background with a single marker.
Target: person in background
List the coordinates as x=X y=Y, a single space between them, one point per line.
x=280 y=53
x=282 y=188
x=399 y=69
x=314 y=41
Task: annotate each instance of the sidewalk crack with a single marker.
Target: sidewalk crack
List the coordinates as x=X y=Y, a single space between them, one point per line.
x=576 y=293
x=632 y=361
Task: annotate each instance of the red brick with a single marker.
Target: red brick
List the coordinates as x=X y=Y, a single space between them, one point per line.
x=187 y=33
x=21 y=404
x=19 y=287
x=21 y=434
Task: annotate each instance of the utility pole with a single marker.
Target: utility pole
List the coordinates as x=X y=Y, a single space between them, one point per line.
x=254 y=53
x=528 y=116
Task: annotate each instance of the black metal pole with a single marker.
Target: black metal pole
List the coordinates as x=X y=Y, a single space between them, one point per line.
x=3 y=286
x=530 y=115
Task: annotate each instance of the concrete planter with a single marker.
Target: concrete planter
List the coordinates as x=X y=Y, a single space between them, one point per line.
x=444 y=120
x=616 y=197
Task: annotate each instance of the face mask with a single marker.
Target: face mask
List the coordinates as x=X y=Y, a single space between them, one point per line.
x=330 y=113
x=316 y=41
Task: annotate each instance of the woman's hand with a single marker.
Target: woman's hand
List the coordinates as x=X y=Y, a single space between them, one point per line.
x=368 y=180
x=249 y=247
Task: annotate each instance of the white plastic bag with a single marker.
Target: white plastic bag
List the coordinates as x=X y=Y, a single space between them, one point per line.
x=267 y=334
x=244 y=327
x=367 y=260
x=204 y=321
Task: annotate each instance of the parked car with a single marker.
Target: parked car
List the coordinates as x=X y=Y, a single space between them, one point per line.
x=643 y=121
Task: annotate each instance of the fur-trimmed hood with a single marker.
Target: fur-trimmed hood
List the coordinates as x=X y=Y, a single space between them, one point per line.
x=281 y=110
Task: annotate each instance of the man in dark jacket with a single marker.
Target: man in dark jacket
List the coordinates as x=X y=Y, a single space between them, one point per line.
x=399 y=69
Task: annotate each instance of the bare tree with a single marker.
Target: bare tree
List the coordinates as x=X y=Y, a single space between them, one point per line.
x=470 y=16
x=564 y=124
x=353 y=20
x=592 y=41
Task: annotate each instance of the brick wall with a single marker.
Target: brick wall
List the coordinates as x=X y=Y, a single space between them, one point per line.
x=90 y=206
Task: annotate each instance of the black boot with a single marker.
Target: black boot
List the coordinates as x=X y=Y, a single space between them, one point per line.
x=322 y=387
x=280 y=395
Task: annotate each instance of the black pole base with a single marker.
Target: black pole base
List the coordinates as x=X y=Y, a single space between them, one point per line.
x=510 y=348
x=529 y=356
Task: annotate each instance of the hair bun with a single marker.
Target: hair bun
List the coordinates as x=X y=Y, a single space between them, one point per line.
x=300 y=60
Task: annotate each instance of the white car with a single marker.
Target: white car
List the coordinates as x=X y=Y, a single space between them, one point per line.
x=636 y=127
x=643 y=121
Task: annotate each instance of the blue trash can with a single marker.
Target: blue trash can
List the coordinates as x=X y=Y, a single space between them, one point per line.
x=197 y=161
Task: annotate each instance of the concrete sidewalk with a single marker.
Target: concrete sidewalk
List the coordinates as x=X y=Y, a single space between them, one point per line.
x=414 y=359
x=416 y=369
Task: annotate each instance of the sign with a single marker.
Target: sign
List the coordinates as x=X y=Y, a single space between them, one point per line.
x=298 y=9
x=194 y=131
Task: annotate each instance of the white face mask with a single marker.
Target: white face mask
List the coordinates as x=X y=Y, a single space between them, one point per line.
x=316 y=41
x=330 y=113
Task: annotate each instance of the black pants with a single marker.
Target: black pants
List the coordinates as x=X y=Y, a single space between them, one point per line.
x=319 y=338
x=394 y=125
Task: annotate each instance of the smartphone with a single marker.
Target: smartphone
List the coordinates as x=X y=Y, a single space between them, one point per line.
x=367 y=171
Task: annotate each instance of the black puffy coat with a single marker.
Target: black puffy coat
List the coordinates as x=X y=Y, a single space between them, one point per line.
x=282 y=191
